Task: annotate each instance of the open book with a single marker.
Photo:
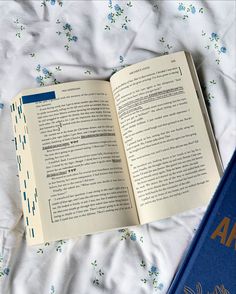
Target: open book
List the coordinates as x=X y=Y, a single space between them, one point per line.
x=95 y=155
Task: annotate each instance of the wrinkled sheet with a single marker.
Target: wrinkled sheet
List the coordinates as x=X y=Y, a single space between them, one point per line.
x=48 y=41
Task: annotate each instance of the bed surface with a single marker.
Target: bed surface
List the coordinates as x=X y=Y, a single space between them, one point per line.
x=46 y=42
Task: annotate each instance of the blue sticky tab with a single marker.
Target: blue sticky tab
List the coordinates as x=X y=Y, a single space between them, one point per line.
x=38 y=97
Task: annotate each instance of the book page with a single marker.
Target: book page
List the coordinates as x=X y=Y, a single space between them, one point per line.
x=80 y=169
x=170 y=158
x=28 y=188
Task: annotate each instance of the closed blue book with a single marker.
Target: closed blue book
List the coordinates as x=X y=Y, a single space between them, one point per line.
x=209 y=266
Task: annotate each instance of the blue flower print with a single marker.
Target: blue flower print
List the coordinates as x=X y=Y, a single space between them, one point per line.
x=52 y=290
x=38 y=79
x=97 y=274
x=188 y=9
x=121 y=59
x=117 y=7
x=58 y=245
x=45 y=76
x=216 y=44
x=3 y=271
x=209 y=92
x=68 y=34
x=151 y=276
x=1 y=105
x=67 y=27
x=127 y=234
x=45 y=71
x=166 y=46
x=51 y=2
x=110 y=16
x=6 y=271
x=214 y=36
x=74 y=38
x=153 y=269
x=223 y=49
x=193 y=9
x=118 y=14
x=133 y=237
x=181 y=7
x=19 y=28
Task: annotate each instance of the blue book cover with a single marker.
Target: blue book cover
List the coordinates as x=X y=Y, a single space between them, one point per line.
x=209 y=266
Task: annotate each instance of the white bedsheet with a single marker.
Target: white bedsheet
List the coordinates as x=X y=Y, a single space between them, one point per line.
x=44 y=42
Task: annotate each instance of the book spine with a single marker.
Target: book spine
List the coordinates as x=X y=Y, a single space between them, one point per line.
x=28 y=188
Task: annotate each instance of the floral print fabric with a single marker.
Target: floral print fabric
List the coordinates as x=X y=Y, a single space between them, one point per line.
x=54 y=41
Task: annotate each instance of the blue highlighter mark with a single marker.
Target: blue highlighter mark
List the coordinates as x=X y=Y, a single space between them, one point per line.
x=15 y=143
x=28 y=205
x=35 y=195
x=33 y=208
x=38 y=97
x=19 y=111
